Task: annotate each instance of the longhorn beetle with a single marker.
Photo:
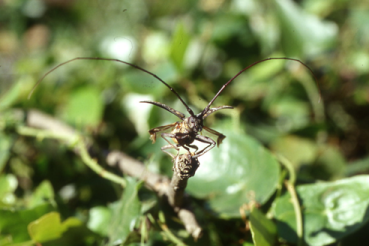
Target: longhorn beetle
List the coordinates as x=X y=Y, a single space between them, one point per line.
x=182 y=133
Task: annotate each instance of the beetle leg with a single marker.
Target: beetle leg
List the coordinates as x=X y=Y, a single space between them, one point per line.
x=156 y=130
x=170 y=146
x=204 y=139
x=191 y=146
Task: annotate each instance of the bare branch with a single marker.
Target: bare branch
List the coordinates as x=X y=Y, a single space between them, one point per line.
x=184 y=167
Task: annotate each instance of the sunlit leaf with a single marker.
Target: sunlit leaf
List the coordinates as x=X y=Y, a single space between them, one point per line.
x=302 y=33
x=99 y=219
x=44 y=192
x=178 y=48
x=15 y=222
x=239 y=172
x=125 y=213
x=331 y=210
x=49 y=227
x=84 y=107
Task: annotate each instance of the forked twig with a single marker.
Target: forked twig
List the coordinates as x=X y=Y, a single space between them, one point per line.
x=51 y=127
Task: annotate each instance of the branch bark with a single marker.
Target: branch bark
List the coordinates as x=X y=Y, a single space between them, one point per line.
x=184 y=167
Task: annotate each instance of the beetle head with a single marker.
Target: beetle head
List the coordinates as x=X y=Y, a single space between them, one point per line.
x=194 y=123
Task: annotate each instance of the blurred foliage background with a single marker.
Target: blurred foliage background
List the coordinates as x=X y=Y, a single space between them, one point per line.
x=196 y=46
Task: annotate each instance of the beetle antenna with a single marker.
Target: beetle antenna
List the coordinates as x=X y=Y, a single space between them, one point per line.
x=253 y=64
x=189 y=110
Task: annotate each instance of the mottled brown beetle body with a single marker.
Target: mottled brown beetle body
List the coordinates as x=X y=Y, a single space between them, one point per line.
x=185 y=132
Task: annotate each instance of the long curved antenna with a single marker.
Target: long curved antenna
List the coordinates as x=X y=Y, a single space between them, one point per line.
x=253 y=64
x=115 y=60
x=166 y=107
x=212 y=110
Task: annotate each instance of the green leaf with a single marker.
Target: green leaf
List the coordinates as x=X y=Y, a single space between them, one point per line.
x=264 y=231
x=44 y=192
x=357 y=166
x=331 y=210
x=302 y=33
x=84 y=107
x=293 y=112
x=179 y=45
x=265 y=71
x=99 y=220
x=125 y=213
x=49 y=227
x=239 y=172
x=14 y=223
x=330 y=163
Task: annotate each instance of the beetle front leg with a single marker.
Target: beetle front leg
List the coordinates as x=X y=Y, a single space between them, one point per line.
x=170 y=145
x=207 y=140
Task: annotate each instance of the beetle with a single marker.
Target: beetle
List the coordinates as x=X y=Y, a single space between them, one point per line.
x=183 y=133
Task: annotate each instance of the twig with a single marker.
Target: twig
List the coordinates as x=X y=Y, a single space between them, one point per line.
x=290 y=185
x=52 y=128
x=184 y=167
x=161 y=185
x=296 y=206
x=134 y=168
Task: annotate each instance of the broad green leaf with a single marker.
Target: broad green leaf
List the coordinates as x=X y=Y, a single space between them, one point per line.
x=264 y=231
x=84 y=107
x=44 y=192
x=49 y=227
x=125 y=213
x=179 y=45
x=14 y=222
x=239 y=172
x=302 y=33
x=331 y=210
